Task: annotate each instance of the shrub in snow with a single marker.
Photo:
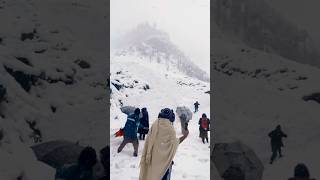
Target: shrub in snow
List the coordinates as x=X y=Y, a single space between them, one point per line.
x=83 y=64
x=312 y=97
x=25 y=80
x=30 y=35
x=24 y=60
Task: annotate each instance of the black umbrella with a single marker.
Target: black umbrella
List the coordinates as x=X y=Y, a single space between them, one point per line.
x=237 y=161
x=60 y=152
x=57 y=153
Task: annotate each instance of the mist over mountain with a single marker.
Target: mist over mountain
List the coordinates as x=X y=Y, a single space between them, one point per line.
x=260 y=26
x=155 y=45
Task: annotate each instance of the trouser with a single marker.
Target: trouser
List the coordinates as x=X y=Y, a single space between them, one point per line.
x=204 y=135
x=275 y=151
x=167 y=175
x=142 y=136
x=134 y=142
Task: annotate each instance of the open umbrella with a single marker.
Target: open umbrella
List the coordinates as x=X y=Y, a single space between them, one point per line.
x=127 y=109
x=184 y=110
x=237 y=161
x=60 y=152
x=57 y=153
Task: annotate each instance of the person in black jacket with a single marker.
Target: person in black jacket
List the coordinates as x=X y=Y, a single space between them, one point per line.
x=276 y=142
x=144 y=124
x=301 y=172
x=196 y=106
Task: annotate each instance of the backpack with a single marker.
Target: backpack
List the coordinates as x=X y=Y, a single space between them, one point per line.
x=204 y=123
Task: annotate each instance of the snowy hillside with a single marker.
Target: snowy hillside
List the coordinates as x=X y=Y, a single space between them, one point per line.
x=53 y=75
x=254 y=92
x=155 y=45
x=137 y=82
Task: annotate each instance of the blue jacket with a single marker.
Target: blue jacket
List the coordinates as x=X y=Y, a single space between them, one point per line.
x=131 y=127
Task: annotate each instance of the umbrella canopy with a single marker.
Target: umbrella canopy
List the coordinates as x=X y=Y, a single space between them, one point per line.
x=127 y=109
x=60 y=152
x=184 y=110
x=57 y=153
x=237 y=161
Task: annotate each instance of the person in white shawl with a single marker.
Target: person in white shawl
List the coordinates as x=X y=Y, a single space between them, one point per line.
x=160 y=148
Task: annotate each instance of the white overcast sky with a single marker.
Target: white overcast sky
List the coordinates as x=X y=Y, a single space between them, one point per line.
x=186 y=21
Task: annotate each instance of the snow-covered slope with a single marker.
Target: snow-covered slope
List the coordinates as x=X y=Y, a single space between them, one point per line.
x=137 y=82
x=155 y=45
x=53 y=68
x=254 y=92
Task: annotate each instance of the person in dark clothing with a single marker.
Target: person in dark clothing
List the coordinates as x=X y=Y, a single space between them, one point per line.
x=130 y=132
x=204 y=126
x=144 y=124
x=105 y=161
x=83 y=170
x=196 y=106
x=276 y=142
x=301 y=172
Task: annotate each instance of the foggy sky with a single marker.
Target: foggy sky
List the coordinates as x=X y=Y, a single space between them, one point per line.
x=186 y=21
x=304 y=13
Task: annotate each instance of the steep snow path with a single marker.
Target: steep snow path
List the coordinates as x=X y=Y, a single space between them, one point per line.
x=192 y=160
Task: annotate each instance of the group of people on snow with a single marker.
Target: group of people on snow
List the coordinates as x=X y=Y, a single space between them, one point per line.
x=134 y=125
x=161 y=137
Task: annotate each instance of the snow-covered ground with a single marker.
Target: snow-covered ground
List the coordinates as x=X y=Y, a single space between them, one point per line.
x=254 y=92
x=168 y=88
x=47 y=42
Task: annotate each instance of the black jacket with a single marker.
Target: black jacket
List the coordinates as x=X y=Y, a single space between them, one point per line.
x=276 y=137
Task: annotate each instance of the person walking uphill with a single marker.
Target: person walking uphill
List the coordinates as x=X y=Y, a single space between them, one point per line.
x=276 y=142
x=144 y=124
x=196 y=106
x=130 y=132
x=204 y=127
x=160 y=148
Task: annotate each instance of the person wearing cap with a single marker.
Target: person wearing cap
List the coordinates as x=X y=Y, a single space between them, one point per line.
x=301 y=172
x=130 y=132
x=160 y=147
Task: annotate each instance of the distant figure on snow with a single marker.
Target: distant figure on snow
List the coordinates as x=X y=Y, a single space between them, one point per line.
x=196 y=106
x=301 y=172
x=204 y=127
x=144 y=124
x=160 y=148
x=83 y=170
x=130 y=132
x=276 y=142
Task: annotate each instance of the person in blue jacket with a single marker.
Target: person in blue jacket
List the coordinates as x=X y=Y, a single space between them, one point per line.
x=130 y=132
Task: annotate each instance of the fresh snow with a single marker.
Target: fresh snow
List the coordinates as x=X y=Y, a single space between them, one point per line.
x=66 y=30
x=168 y=88
x=255 y=91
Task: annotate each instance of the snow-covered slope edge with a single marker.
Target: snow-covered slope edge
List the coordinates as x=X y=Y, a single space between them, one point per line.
x=137 y=82
x=53 y=75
